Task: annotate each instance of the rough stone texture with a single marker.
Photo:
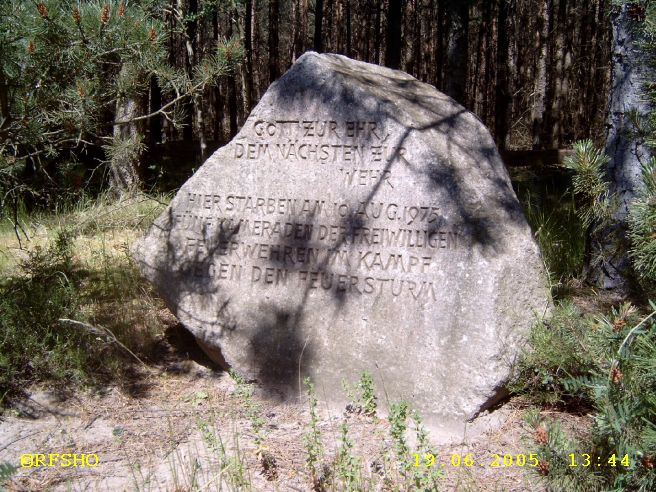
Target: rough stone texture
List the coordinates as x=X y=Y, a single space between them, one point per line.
x=361 y=220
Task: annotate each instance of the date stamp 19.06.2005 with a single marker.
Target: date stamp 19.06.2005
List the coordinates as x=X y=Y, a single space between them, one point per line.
x=493 y=460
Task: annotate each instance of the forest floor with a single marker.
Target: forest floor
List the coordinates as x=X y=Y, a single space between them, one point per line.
x=177 y=423
x=159 y=433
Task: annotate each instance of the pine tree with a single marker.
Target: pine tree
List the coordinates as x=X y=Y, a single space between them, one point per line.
x=79 y=76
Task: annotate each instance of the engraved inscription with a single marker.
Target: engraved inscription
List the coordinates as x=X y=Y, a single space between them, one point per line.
x=366 y=177
x=355 y=142
x=309 y=151
x=299 y=207
x=361 y=247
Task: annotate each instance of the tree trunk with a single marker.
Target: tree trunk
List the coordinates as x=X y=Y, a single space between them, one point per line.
x=540 y=81
x=259 y=74
x=631 y=70
x=232 y=87
x=190 y=59
x=502 y=96
x=318 y=22
x=296 y=21
x=457 y=51
x=377 y=33
x=349 y=41
x=393 y=41
x=274 y=57
x=439 y=46
x=558 y=75
x=155 y=123
x=248 y=58
x=4 y=100
x=330 y=18
x=303 y=28
x=126 y=161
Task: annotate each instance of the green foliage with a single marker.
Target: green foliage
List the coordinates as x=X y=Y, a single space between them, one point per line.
x=552 y=446
x=7 y=471
x=398 y=418
x=253 y=409
x=424 y=478
x=552 y=217
x=642 y=225
x=365 y=400
x=33 y=345
x=556 y=350
x=617 y=379
x=230 y=467
x=65 y=67
x=312 y=438
x=589 y=183
x=347 y=466
x=75 y=308
x=596 y=206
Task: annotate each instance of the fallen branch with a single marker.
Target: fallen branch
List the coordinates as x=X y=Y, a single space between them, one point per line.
x=99 y=331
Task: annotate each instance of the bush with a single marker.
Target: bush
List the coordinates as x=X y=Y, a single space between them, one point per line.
x=608 y=361
x=557 y=350
x=642 y=227
x=33 y=346
x=596 y=206
x=110 y=316
x=552 y=216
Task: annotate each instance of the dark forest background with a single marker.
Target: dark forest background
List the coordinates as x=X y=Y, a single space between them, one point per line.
x=132 y=94
x=535 y=71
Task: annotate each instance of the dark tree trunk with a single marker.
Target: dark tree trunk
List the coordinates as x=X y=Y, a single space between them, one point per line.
x=232 y=88
x=457 y=51
x=394 y=22
x=349 y=41
x=540 y=73
x=126 y=162
x=155 y=123
x=232 y=105
x=631 y=70
x=439 y=46
x=377 y=31
x=318 y=22
x=274 y=41
x=330 y=22
x=502 y=96
x=5 y=117
x=190 y=61
x=488 y=94
x=248 y=58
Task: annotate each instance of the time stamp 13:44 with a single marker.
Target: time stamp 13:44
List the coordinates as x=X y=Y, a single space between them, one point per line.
x=531 y=460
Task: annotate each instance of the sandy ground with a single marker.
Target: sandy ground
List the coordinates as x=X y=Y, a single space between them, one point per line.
x=183 y=426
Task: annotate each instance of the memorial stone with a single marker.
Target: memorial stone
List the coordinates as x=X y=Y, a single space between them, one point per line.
x=360 y=220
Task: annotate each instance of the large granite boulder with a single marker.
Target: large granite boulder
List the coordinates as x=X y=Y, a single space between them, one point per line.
x=361 y=220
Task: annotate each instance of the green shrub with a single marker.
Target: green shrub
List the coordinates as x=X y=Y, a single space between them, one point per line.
x=596 y=207
x=312 y=439
x=642 y=226
x=589 y=183
x=556 y=350
x=348 y=467
x=363 y=397
x=551 y=213
x=33 y=345
x=611 y=366
x=72 y=313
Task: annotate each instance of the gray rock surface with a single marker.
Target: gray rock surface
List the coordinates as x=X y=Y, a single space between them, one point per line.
x=361 y=220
